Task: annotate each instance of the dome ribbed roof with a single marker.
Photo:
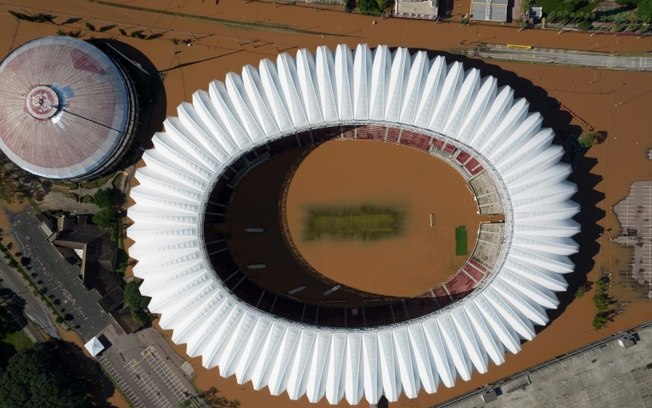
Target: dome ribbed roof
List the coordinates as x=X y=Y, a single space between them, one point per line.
x=65 y=107
x=364 y=86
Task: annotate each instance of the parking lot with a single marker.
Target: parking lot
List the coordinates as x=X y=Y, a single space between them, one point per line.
x=145 y=368
x=58 y=278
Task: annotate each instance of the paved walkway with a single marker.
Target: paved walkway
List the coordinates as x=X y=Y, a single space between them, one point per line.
x=562 y=57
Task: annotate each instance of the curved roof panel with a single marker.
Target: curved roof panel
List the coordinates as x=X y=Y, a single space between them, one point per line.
x=350 y=87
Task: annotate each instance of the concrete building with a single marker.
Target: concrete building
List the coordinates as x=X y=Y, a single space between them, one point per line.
x=424 y=9
x=489 y=10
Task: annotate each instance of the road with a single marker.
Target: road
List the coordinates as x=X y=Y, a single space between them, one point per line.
x=142 y=364
x=563 y=57
x=59 y=278
x=34 y=309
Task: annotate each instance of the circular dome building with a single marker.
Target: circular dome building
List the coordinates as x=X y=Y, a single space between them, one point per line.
x=67 y=110
x=207 y=258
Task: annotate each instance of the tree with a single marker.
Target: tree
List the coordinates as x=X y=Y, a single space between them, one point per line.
x=35 y=377
x=599 y=321
x=587 y=139
x=214 y=399
x=108 y=198
x=106 y=217
x=136 y=301
x=7 y=323
x=369 y=6
x=644 y=9
x=384 y=4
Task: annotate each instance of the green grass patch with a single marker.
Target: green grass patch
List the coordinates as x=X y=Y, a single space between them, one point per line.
x=461 y=242
x=362 y=223
x=18 y=339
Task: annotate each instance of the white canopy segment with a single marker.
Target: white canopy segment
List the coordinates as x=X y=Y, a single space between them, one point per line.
x=348 y=87
x=94 y=346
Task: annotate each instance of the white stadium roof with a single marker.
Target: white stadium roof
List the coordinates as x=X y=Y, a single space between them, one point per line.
x=329 y=89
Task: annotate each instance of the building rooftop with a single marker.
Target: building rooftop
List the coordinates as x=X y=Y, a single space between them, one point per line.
x=65 y=107
x=489 y=10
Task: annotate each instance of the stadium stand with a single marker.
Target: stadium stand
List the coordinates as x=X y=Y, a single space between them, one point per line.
x=336 y=309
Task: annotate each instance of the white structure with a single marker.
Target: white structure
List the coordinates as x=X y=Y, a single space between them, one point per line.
x=328 y=89
x=94 y=346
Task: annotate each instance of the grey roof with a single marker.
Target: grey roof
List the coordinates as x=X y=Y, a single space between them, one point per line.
x=490 y=10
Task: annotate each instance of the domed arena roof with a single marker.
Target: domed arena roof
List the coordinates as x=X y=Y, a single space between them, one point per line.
x=67 y=110
x=490 y=134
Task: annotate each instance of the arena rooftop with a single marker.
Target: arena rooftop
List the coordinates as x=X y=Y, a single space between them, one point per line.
x=67 y=110
x=379 y=88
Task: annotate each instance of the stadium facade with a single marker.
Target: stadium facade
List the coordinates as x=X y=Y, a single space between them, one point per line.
x=67 y=110
x=382 y=88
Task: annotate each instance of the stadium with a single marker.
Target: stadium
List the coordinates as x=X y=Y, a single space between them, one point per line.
x=68 y=111
x=201 y=248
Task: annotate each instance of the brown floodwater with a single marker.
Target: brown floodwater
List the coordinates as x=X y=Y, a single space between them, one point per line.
x=368 y=172
x=617 y=102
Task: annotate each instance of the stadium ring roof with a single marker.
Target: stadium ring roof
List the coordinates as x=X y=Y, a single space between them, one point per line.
x=329 y=89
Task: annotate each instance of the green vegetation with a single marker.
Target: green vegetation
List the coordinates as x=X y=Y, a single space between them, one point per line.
x=213 y=398
x=644 y=10
x=586 y=139
x=581 y=290
x=632 y=16
x=7 y=323
x=96 y=182
x=12 y=337
x=18 y=185
x=110 y=201
x=599 y=321
x=37 y=377
x=567 y=6
x=601 y=301
x=136 y=302
x=107 y=198
x=122 y=262
x=461 y=241
x=365 y=222
x=18 y=340
x=373 y=7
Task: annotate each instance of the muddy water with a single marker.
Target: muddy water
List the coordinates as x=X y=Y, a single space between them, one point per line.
x=614 y=101
x=365 y=172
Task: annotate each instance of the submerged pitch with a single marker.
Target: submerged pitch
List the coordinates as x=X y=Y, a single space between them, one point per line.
x=358 y=212
x=363 y=222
